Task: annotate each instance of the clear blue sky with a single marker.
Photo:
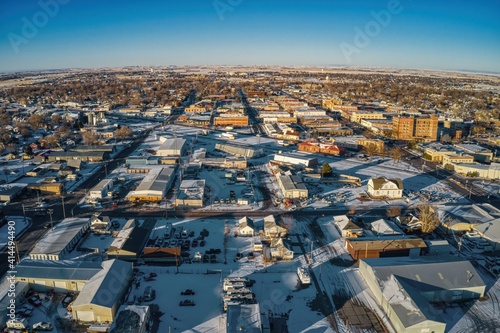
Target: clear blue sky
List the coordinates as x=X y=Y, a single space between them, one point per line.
x=89 y=33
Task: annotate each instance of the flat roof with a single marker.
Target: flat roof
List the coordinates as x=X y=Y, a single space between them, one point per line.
x=173 y=144
x=57 y=238
x=292 y=182
x=387 y=243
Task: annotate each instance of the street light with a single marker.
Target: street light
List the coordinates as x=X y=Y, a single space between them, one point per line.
x=50 y=212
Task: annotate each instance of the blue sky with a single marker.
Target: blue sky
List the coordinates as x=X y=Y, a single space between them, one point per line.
x=451 y=35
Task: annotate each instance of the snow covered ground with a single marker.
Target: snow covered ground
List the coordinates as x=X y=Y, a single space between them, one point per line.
x=19 y=226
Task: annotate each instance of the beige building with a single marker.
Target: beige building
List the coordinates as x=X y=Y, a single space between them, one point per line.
x=456 y=159
x=100 y=298
x=191 y=193
x=382 y=187
x=357 y=116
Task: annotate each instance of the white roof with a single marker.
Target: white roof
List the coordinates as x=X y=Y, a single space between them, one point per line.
x=57 y=238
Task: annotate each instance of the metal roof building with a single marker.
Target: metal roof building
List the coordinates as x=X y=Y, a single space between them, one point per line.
x=404 y=288
x=172 y=147
x=191 y=193
x=154 y=186
x=60 y=239
x=247 y=152
x=61 y=275
x=100 y=298
x=292 y=186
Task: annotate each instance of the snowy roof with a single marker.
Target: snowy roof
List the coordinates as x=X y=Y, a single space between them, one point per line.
x=192 y=189
x=101 y=289
x=245 y=221
x=131 y=239
x=490 y=230
x=156 y=180
x=380 y=181
x=243 y=318
x=57 y=238
x=383 y=227
x=130 y=319
x=424 y=274
x=57 y=269
x=388 y=243
x=344 y=223
x=173 y=144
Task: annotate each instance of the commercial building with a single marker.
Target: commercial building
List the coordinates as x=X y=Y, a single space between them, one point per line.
x=389 y=246
x=411 y=128
x=89 y=156
x=154 y=186
x=9 y=192
x=300 y=159
x=191 y=193
x=246 y=316
x=292 y=187
x=451 y=160
x=128 y=243
x=322 y=148
x=490 y=231
x=100 y=298
x=376 y=143
x=110 y=149
x=382 y=187
x=357 y=116
x=172 y=147
x=101 y=190
x=248 y=152
x=231 y=120
x=60 y=275
x=479 y=153
x=491 y=171
x=60 y=240
x=404 y=289
x=436 y=151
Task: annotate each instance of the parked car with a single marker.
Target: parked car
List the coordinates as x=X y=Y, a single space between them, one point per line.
x=35 y=301
x=202 y=243
x=43 y=326
x=187 y=302
x=195 y=243
x=187 y=292
x=68 y=299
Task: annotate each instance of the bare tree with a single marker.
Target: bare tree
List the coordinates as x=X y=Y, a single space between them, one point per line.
x=396 y=153
x=370 y=149
x=428 y=217
x=90 y=138
x=35 y=121
x=124 y=132
x=393 y=211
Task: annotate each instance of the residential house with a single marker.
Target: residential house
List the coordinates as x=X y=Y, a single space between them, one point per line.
x=246 y=227
x=381 y=187
x=272 y=229
x=346 y=227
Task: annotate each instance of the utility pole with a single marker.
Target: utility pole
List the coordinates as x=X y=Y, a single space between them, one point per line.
x=50 y=211
x=24 y=213
x=63 y=207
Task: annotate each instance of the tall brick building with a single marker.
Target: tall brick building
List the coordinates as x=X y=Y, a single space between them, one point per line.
x=411 y=128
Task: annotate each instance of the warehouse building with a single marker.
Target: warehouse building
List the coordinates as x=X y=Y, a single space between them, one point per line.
x=128 y=243
x=405 y=288
x=6 y=296
x=60 y=275
x=46 y=187
x=172 y=147
x=154 y=186
x=100 y=298
x=247 y=152
x=102 y=148
x=389 y=246
x=89 y=156
x=101 y=190
x=191 y=193
x=60 y=240
x=292 y=186
x=132 y=319
x=9 y=192
x=301 y=159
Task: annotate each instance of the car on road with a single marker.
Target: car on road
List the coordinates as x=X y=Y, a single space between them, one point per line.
x=187 y=292
x=43 y=326
x=187 y=302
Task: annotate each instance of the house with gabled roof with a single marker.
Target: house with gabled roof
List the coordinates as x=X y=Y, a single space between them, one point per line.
x=272 y=229
x=386 y=188
x=346 y=227
x=246 y=227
